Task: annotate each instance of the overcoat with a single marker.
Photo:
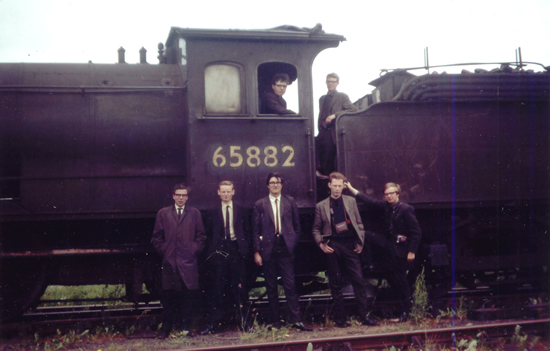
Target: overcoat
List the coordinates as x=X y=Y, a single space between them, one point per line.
x=400 y=220
x=179 y=242
x=322 y=226
x=216 y=229
x=263 y=234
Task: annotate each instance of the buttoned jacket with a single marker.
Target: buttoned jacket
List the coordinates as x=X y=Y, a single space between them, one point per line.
x=339 y=104
x=263 y=234
x=216 y=229
x=398 y=220
x=179 y=241
x=322 y=225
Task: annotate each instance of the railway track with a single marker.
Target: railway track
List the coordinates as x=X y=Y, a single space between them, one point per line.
x=404 y=339
x=145 y=316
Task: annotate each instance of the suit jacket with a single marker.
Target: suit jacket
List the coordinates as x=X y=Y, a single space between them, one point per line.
x=179 y=242
x=263 y=234
x=339 y=104
x=322 y=226
x=216 y=229
x=273 y=103
x=404 y=222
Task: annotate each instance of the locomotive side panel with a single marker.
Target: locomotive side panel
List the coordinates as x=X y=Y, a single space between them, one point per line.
x=476 y=173
x=92 y=151
x=442 y=153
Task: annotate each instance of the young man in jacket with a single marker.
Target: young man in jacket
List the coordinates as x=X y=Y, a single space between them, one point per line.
x=338 y=231
x=402 y=234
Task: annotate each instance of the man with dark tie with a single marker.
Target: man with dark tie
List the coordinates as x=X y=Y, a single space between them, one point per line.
x=276 y=231
x=178 y=237
x=228 y=231
x=402 y=236
x=338 y=231
x=331 y=105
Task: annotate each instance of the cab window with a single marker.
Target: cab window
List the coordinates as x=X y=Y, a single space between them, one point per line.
x=223 y=85
x=266 y=72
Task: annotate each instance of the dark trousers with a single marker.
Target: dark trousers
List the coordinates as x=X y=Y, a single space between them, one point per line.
x=345 y=261
x=397 y=278
x=177 y=307
x=228 y=277
x=326 y=151
x=281 y=262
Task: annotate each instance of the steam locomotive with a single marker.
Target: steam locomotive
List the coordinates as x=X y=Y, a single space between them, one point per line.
x=90 y=152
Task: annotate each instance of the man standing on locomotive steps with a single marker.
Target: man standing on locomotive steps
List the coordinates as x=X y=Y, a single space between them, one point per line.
x=339 y=232
x=275 y=236
x=331 y=105
x=228 y=229
x=402 y=237
x=178 y=237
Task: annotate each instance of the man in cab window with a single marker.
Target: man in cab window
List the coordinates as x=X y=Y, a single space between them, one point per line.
x=272 y=101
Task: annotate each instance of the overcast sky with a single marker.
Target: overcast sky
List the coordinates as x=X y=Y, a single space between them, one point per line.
x=380 y=34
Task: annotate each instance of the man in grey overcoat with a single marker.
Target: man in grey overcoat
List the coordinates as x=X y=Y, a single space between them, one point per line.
x=178 y=237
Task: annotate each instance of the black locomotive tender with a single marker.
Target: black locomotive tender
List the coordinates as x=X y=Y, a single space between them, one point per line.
x=90 y=153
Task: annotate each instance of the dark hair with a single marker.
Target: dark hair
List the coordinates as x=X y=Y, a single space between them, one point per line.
x=180 y=186
x=274 y=174
x=337 y=175
x=393 y=185
x=226 y=182
x=335 y=76
x=280 y=77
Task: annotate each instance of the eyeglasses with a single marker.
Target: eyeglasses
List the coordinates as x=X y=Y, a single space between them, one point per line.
x=390 y=194
x=281 y=86
x=275 y=183
x=332 y=81
x=181 y=195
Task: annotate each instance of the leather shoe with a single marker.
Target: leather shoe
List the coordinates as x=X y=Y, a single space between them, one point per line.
x=276 y=325
x=163 y=334
x=301 y=326
x=369 y=322
x=342 y=324
x=320 y=176
x=190 y=333
x=209 y=329
x=403 y=318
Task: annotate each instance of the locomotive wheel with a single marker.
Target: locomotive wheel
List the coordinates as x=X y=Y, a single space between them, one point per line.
x=22 y=283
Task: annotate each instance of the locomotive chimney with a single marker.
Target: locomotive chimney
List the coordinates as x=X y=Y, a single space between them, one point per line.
x=161 y=57
x=142 y=55
x=121 y=52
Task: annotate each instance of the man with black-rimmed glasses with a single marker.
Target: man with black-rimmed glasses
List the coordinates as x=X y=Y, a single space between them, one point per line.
x=276 y=232
x=178 y=237
x=273 y=102
x=402 y=238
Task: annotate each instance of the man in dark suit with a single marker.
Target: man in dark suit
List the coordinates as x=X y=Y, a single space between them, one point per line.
x=331 y=105
x=273 y=101
x=228 y=247
x=338 y=231
x=178 y=237
x=402 y=234
x=275 y=236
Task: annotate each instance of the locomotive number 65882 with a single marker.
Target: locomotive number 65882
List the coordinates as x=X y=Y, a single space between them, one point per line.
x=253 y=156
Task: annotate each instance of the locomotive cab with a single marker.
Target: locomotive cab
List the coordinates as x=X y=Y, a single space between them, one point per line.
x=227 y=73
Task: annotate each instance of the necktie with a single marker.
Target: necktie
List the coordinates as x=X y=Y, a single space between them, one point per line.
x=179 y=211
x=277 y=216
x=227 y=231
